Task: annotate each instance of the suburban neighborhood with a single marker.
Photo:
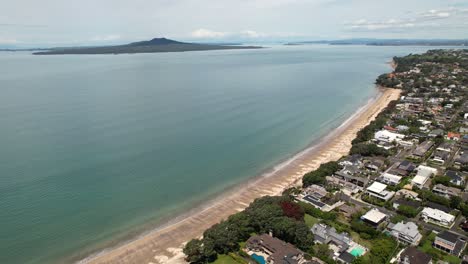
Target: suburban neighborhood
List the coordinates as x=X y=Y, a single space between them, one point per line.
x=400 y=196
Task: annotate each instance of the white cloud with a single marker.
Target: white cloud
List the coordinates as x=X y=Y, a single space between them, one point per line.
x=363 y=24
x=418 y=20
x=251 y=34
x=435 y=14
x=203 y=33
x=206 y=33
x=8 y=41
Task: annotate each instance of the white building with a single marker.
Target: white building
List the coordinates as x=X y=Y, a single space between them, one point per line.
x=406 y=232
x=423 y=174
x=390 y=178
x=437 y=216
x=374 y=217
x=378 y=190
x=387 y=136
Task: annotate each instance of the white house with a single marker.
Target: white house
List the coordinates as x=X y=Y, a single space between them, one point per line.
x=406 y=232
x=378 y=190
x=390 y=178
x=437 y=217
x=387 y=136
x=374 y=217
x=423 y=174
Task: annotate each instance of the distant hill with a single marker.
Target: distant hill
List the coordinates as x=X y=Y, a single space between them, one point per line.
x=148 y=46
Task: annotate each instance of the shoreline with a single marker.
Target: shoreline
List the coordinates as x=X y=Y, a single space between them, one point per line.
x=164 y=244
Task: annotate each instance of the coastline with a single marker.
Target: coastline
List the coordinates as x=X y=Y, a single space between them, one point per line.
x=164 y=244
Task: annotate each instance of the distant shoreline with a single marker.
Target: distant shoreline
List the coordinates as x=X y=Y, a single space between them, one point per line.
x=156 y=45
x=164 y=244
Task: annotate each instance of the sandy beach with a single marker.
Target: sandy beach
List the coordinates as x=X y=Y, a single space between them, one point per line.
x=164 y=245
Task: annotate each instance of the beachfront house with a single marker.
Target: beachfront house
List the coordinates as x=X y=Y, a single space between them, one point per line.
x=324 y=234
x=272 y=250
x=385 y=138
x=436 y=216
x=378 y=190
x=405 y=232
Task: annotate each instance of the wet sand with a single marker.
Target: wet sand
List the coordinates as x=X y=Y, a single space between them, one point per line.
x=164 y=245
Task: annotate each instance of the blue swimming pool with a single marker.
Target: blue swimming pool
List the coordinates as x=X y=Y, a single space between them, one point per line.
x=357 y=251
x=258 y=258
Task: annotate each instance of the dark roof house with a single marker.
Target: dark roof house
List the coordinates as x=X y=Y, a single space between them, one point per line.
x=411 y=255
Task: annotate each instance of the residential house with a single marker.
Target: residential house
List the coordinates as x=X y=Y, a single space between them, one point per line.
x=348 y=211
x=374 y=217
x=462 y=159
x=423 y=174
x=378 y=190
x=436 y=216
x=449 y=242
x=375 y=164
x=453 y=136
x=441 y=156
x=389 y=179
x=347 y=177
x=412 y=255
x=351 y=160
x=436 y=132
x=403 y=169
x=387 y=136
x=345 y=257
x=346 y=186
x=455 y=177
x=405 y=232
x=422 y=149
x=324 y=234
x=445 y=191
x=275 y=250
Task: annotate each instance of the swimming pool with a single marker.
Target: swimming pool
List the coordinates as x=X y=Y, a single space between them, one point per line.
x=357 y=251
x=258 y=258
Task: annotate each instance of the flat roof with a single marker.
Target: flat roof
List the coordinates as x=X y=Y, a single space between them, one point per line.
x=374 y=216
x=419 y=179
x=377 y=187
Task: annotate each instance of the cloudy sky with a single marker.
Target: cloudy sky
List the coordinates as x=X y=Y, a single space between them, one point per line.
x=64 y=22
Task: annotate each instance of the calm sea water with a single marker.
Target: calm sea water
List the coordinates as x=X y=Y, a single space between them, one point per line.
x=95 y=148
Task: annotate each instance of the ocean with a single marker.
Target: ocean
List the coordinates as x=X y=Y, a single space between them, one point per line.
x=95 y=149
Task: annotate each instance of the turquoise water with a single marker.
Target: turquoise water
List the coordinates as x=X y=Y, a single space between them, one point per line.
x=96 y=149
x=258 y=259
x=357 y=251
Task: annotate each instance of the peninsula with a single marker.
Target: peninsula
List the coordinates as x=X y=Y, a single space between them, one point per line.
x=149 y=46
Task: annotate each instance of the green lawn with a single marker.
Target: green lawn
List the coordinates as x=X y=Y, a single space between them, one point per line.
x=225 y=259
x=310 y=220
x=426 y=246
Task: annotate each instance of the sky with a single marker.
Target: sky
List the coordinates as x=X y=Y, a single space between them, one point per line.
x=98 y=22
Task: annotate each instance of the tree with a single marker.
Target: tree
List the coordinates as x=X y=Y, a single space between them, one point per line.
x=407 y=211
x=318 y=176
x=455 y=201
x=193 y=251
x=368 y=149
x=382 y=249
x=292 y=210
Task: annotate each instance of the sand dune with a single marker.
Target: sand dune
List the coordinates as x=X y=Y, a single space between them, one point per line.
x=164 y=245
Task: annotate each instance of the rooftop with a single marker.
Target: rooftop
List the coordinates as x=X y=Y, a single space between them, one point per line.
x=374 y=216
x=377 y=187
